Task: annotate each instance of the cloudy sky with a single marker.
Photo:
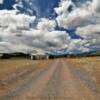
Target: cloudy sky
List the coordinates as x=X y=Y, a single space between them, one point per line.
x=72 y=25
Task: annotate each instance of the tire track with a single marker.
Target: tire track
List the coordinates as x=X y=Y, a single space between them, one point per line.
x=56 y=81
x=81 y=91
x=26 y=85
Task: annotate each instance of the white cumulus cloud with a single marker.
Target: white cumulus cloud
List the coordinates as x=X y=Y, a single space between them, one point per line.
x=16 y=33
x=85 y=19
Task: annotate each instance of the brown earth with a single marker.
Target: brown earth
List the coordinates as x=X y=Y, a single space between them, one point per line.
x=59 y=79
x=90 y=66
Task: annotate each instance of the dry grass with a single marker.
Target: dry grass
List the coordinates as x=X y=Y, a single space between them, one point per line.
x=91 y=65
x=17 y=71
x=11 y=66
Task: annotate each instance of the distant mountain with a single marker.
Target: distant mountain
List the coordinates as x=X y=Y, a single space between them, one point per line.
x=87 y=54
x=94 y=53
x=66 y=54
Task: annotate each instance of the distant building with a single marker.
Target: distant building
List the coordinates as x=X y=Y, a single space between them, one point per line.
x=39 y=54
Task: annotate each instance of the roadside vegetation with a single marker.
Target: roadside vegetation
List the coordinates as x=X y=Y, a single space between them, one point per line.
x=89 y=67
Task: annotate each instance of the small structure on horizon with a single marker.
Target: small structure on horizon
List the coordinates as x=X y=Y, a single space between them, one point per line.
x=39 y=54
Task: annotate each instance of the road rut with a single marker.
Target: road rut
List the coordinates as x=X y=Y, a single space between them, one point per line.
x=54 y=82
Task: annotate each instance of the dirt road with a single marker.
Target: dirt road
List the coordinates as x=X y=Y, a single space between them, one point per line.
x=56 y=81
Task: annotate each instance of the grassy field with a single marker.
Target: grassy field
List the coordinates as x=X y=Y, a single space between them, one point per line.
x=90 y=66
x=11 y=67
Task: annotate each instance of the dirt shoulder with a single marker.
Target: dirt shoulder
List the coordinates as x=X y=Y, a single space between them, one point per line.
x=13 y=66
x=90 y=66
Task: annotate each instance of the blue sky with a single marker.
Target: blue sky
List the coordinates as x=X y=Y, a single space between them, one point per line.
x=64 y=19
x=7 y=4
x=45 y=7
